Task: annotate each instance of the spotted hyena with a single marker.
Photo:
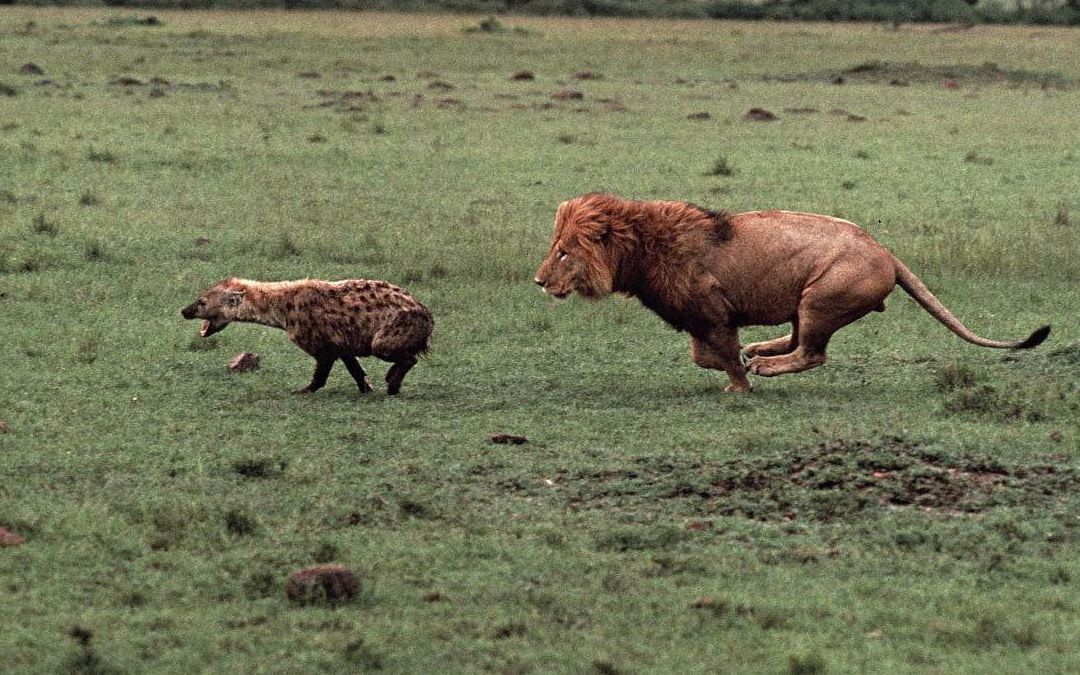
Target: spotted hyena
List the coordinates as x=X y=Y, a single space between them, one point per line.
x=331 y=321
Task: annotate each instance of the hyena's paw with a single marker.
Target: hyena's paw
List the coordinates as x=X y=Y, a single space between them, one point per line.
x=744 y=388
x=365 y=387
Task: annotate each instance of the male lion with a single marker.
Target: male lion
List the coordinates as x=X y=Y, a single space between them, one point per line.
x=709 y=272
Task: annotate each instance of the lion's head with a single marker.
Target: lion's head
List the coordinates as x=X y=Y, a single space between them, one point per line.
x=592 y=239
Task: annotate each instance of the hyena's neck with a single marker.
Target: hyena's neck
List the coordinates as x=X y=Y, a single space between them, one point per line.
x=264 y=303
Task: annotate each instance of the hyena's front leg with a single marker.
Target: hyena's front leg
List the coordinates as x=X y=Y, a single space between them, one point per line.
x=322 y=371
x=357 y=371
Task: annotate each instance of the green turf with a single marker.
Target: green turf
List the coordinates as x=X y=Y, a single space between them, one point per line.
x=909 y=507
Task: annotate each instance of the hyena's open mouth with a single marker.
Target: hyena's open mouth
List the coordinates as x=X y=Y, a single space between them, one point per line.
x=209 y=327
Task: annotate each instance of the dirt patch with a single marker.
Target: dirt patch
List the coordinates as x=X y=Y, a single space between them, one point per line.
x=504 y=439
x=836 y=480
x=567 y=95
x=898 y=73
x=523 y=76
x=322 y=584
x=760 y=115
x=346 y=101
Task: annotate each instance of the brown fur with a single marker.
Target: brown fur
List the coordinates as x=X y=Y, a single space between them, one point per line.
x=709 y=273
x=331 y=321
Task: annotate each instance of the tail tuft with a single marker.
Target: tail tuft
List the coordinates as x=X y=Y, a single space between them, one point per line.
x=1035 y=339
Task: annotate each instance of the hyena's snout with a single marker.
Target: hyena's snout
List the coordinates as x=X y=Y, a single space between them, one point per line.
x=189 y=311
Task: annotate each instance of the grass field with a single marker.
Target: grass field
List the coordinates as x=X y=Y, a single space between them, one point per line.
x=909 y=507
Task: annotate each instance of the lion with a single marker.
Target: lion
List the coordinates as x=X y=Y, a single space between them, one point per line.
x=711 y=272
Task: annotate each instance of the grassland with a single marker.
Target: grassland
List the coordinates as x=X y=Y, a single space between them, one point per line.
x=909 y=507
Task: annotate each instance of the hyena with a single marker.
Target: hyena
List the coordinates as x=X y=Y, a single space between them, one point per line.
x=331 y=321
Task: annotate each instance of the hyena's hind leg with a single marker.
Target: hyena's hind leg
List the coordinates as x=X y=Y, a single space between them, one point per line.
x=323 y=365
x=357 y=372
x=396 y=374
x=400 y=343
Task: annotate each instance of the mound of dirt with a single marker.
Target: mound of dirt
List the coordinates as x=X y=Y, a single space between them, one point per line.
x=244 y=362
x=897 y=73
x=329 y=584
x=8 y=538
x=31 y=69
x=567 y=95
x=836 y=480
x=760 y=115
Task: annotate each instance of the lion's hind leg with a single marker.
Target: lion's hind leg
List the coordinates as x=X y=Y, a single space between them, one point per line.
x=819 y=317
x=776 y=347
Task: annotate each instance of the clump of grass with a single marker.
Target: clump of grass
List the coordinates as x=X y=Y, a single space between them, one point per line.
x=806 y=664
x=721 y=167
x=134 y=20
x=973 y=157
x=566 y=138
x=103 y=156
x=86 y=351
x=361 y=655
x=8 y=90
x=42 y=225
x=1061 y=218
x=94 y=251
x=88 y=198
x=201 y=344
x=240 y=524
x=8 y=197
x=260 y=584
x=261 y=467
x=848 y=185
x=284 y=247
x=378 y=129
x=953 y=376
x=862 y=154
x=326 y=553
x=488 y=25
x=85 y=660
x=316 y=138
x=31 y=263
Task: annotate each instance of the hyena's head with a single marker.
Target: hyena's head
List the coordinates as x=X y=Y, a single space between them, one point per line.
x=217 y=306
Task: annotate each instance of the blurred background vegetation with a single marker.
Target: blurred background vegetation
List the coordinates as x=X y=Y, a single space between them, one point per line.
x=1056 y=12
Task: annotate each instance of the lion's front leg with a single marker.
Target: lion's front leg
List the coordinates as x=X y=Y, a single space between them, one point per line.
x=721 y=352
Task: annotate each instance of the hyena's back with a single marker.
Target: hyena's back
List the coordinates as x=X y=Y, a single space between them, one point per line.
x=360 y=317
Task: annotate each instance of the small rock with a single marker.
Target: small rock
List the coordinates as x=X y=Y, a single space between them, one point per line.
x=8 y=538
x=322 y=584
x=244 y=362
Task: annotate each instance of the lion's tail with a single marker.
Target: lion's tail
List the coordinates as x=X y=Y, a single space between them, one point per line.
x=918 y=290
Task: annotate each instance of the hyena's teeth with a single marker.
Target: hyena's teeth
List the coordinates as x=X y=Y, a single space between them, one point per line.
x=205 y=328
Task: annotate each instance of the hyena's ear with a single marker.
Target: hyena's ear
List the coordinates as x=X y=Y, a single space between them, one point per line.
x=233 y=298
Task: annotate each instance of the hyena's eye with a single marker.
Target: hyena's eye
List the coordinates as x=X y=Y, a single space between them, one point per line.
x=202 y=303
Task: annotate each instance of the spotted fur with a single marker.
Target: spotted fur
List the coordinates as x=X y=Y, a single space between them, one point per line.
x=331 y=321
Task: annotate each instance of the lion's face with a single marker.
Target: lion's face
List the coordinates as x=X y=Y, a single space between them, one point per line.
x=580 y=259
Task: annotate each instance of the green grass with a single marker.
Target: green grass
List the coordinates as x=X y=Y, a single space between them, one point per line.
x=651 y=523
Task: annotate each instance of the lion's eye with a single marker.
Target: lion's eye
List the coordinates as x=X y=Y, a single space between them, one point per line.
x=562 y=255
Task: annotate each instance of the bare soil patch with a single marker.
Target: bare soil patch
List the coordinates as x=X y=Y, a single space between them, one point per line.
x=836 y=480
x=898 y=73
